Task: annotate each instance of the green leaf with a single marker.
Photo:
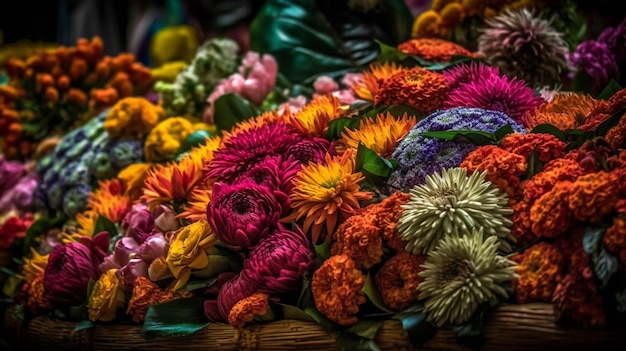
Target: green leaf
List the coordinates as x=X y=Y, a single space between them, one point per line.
x=371 y=163
x=610 y=89
x=178 y=317
x=399 y=110
x=547 y=128
x=293 y=312
x=367 y=327
x=475 y=137
x=338 y=125
x=503 y=131
x=322 y=250
x=104 y=224
x=390 y=53
x=454 y=61
x=419 y=329
x=230 y=109
x=373 y=294
x=197 y=284
x=324 y=37
x=84 y=324
x=319 y=318
x=609 y=123
x=604 y=264
x=351 y=342
x=534 y=164
x=579 y=138
x=37 y=229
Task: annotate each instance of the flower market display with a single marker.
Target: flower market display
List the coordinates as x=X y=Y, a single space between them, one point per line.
x=359 y=179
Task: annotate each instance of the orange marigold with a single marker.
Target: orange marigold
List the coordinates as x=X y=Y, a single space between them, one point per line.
x=554 y=171
x=616 y=136
x=146 y=293
x=337 y=288
x=246 y=309
x=605 y=109
x=398 y=280
x=539 y=271
x=359 y=238
x=550 y=215
x=416 y=87
x=546 y=146
x=434 y=49
x=504 y=168
x=387 y=213
x=615 y=238
x=37 y=299
x=521 y=227
x=592 y=196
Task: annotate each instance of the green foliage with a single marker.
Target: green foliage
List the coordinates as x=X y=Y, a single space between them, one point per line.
x=177 y=317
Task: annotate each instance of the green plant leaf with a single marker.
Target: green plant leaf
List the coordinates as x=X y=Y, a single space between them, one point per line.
x=325 y=37
x=104 y=224
x=319 y=318
x=366 y=327
x=475 y=137
x=609 y=123
x=419 y=329
x=503 y=131
x=178 y=317
x=579 y=137
x=351 y=342
x=230 y=109
x=604 y=264
x=609 y=90
x=371 y=164
x=197 y=284
x=338 y=125
x=84 y=324
x=293 y=312
x=534 y=164
x=322 y=250
x=390 y=53
x=547 y=128
x=400 y=110
x=373 y=294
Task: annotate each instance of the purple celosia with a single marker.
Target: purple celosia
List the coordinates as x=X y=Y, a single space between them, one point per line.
x=242 y=214
x=71 y=266
x=498 y=93
x=275 y=172
x=245 y=149
x=279 y=261
x=466 y=73
x=419 y=156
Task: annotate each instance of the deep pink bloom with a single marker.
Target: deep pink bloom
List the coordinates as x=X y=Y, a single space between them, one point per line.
x=14 y=227
x=138 y=222
x=467 y=73
x=232 y=292
x=311 y=150
x=275 y=172
x=66 y=276
x=124 y=247
x=242 y=214
x=278 y=262
x=211 y=310
x=10 y=173
x=20 y=196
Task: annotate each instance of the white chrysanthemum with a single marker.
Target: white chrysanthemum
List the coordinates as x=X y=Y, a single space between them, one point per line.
x=451 y=203
x=460 y=274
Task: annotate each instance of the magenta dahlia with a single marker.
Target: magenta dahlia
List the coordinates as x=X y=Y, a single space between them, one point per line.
x=244 y=213
x=467 y=73
x=234 y=290
x=275 y=172
x=311 y=150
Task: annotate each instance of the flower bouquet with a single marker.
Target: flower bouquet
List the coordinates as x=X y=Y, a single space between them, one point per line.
x=430 y=196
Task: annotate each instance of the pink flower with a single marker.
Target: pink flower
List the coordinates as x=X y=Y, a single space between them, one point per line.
x=242 y=214
x=325 y=85
x=70 y=267
x=278 y=262
x=232 y=292
x=311 y=150
x=275 y=172
x=20 y=195
x=165 y=219
x=138 y=222
x=211 y=310
x=124 y=247
x=10 y=173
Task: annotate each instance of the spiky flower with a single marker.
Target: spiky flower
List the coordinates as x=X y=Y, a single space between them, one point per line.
x=367 y=87
x=465 y=73
x=525 y=46
x=460 y=274
x=452 y=204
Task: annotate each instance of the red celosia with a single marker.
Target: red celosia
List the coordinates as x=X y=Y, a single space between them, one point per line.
x=592 y=197
x=147 y=293
x=540 y=270
x=550 y=215
x=504 y=168
x=13 y=227
x=546 y=146
x=398 y=280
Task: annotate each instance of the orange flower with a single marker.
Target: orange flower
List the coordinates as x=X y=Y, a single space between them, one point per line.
x=246 y=309
x=616 y=136
x=578 y=298
x=550 y=215
x=615 y=238
x=565 y=111
x=110 y=200
x=145 y=294
x=134 y=176
x=33 y=266
x=416 y=87
x=314 y=116
x=194 y=208
x=555 y=171
x=571 y=245
x=434 y=49
x=539 y=271
x=605 y=109
x=592 y=196
x=387 y=213
x=337 y=288
x=325 y=194
x=547 y=146
x=171 y=183
x=367 y=87
x=398 y=280
x=37 y=299
x=521 y=227
x=503 y=168
x=359 y=238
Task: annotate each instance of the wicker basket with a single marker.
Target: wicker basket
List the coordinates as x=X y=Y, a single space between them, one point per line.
x=512 y=327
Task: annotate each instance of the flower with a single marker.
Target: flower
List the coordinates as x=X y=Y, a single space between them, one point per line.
x=233 y=291
x=501 y=167
x=245 y=310
x=195 y=207
x=147 y=293
x=106 y=298
x=525 y=46
x=14 y=227
x=452 y=204
x=325 y=194
x=337 y=287
x=275 y=172
x=415 y=87
x=381 y=134
x=434 y=49
x=428 y=24
x=615 y=238
x=172 y=182
x=311 y=150
x=467 y=73
x=565 y=111
x=540 y=270
x=494 y=92
x=71 y=266
x=242 y=214
x=387 y=213
x=188 y=251
x=164 y=141
x=592 y=197
x=578 y=298
x=314 y=116
x=461 y=273
x=132 y=117
x=110 y=200
x=550 y=215
x=138 y=222
x=367 y=87
x=546 y=146
x=19 y=197
x=398 y=280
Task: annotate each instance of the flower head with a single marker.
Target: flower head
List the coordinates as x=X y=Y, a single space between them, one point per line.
x=275 y=172
x=540 y=270
x=416 y=87
x=565 y=111
x=358 y=237
x=166 y=139
x=171 y=183
x=453 y=204
x=578 y=298
x=147 y=293
x=367 y=87
x=501 y=167
x=110 y=200
x=246 y=309
x=313 y=118
x=106 y=298
x=398 y=280
x=311 y=150
x=434 y=49
x=550 y=215
x=243 y=214
x=232 y=291
x=132 y=117
x=325 y=194
x=337 y=287
x=468 y=72
x=461 y=273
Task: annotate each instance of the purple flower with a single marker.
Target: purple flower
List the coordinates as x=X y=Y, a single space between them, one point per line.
x=10 y=173
x=278 y=262
x=242 y=214
x=21 y=195
x=70 y=267
x=122 y=251
x=597 y=60
x=138 y=222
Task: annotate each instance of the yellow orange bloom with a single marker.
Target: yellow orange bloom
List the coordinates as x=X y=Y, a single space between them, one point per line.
x=37 y=300
x=134 y=176
x=381 y=134
x=165 y=140
x=147 y=293
x=427 y=25
x=246 y=309
x=188 y=251
x=106 y=298
x=367 y=87
x=171 y=183
x=565 y=111
x=540 y=270
x=415 y=87
x=203 y=153
x=325 y=194
x=503 y=168
x=314 y=116
x=195 y=207
x=387 y=213
x=549 y=214
x=109 y=200
x=434 y=49
x=132 y=117
x=33 y=266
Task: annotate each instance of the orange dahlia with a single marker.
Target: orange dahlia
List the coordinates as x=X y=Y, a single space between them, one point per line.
x=172 y=182
x=381 y=134
x=416 y=87
x=324 y=194
x=314 y=116
x=434 y=49
x=367 y=87
x=539 y=271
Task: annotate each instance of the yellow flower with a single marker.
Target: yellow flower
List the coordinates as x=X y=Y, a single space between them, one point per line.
x=165 y=139
x=168 y=71
x=109 y=200
x=173 y=43
x=34 y=266
x=381 y=134
x=203 y=153
x=106 y=298
x=326 y=193
x=85 y=226
x=134 y=176
x=367 y=87
x=171 y=183
x=189 y=250
x=132 y=117
x=427 y=25
x=315 y=115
